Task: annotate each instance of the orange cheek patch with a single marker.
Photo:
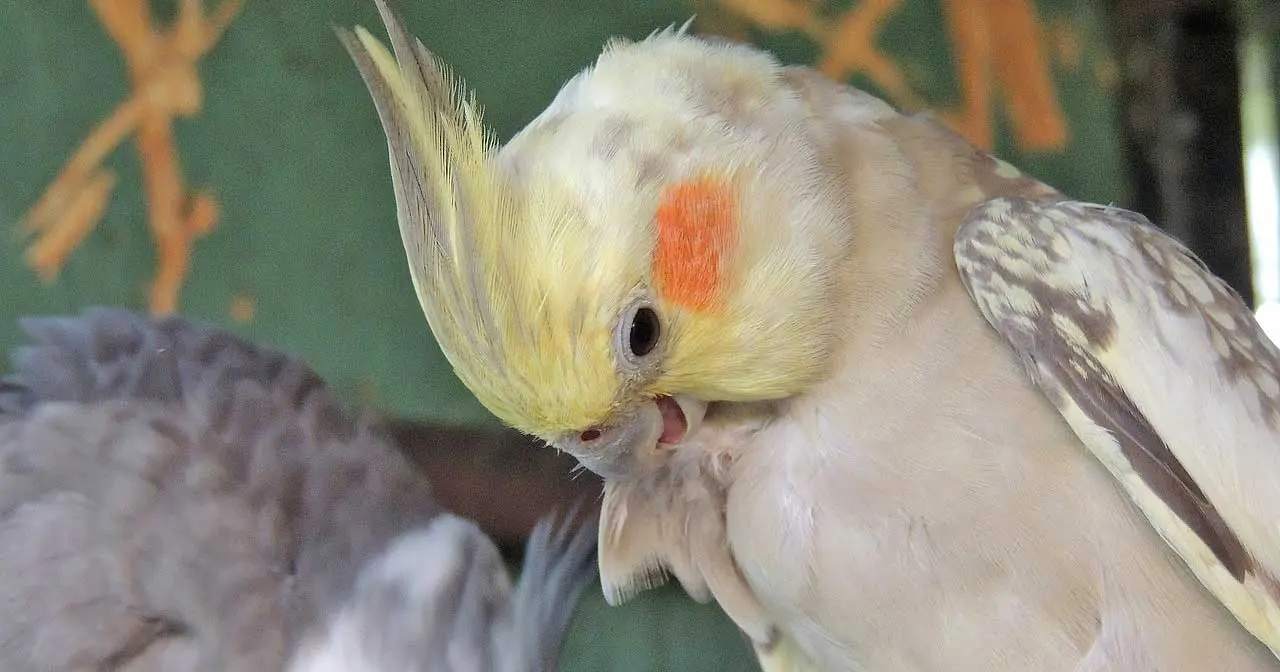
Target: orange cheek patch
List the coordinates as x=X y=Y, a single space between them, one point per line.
x=697 y=226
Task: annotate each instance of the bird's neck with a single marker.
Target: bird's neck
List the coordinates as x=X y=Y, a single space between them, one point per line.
x=905 y=216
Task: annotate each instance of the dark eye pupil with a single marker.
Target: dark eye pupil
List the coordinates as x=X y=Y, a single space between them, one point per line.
x=644 y=332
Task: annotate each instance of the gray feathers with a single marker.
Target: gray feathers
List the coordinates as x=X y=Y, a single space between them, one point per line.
x=440 y=600
x=173 y=497
x=557 y=568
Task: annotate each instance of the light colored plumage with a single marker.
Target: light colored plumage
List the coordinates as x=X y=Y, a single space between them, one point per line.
x=175 y=498
x=440 y=599
x=1113 y=320
x=470 y=231
x=839 y=447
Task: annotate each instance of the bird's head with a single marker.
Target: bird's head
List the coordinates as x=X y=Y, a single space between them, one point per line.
x=658 y=239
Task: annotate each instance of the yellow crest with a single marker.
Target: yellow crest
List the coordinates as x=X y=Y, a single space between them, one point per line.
x=465 y=230
x=668 y=182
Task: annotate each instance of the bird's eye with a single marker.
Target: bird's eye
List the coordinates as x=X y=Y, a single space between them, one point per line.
x=637 y=336
x=645 y=330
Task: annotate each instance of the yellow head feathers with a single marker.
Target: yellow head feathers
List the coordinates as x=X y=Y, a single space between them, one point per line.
x=459 y=224
x=632 y=241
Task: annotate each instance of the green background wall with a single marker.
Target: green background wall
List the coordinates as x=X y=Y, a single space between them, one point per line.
x=289 y=142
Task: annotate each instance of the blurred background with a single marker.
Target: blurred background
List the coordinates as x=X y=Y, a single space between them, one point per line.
x=239 y=175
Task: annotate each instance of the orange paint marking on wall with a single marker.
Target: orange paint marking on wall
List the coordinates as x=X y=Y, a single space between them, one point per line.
x=166 y=85
x=999 y=49
x=697 y=227
x=999 y=45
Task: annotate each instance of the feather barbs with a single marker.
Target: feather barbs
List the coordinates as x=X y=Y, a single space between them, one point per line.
x=466 y=233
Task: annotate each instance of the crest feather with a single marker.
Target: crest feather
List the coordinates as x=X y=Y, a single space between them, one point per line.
x=463 y=223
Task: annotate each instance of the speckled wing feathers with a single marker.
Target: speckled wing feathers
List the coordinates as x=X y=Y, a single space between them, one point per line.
x=1157 y=366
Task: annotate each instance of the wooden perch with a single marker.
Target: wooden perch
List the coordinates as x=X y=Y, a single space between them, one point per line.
x=500 y=478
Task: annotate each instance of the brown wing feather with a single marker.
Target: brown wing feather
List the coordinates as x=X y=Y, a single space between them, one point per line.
x=1107 y=405
x=1129 y=335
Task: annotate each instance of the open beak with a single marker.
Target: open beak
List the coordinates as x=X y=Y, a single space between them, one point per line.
x=616 y=449
x=681 y=416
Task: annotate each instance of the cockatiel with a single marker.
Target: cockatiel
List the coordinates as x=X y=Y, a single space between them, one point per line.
x=892 y=403
x=174 y=498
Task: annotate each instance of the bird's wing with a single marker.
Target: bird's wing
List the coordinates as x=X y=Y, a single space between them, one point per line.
x=185 y=473
x=134 y=453
x=1159 y=368
x=112 y=354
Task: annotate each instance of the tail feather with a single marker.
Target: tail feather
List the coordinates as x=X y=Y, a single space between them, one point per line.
x=558 y=566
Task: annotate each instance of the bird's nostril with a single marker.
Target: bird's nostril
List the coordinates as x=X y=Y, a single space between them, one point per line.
x=590 y=435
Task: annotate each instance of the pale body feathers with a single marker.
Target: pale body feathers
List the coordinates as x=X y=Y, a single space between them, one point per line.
x=882 y=481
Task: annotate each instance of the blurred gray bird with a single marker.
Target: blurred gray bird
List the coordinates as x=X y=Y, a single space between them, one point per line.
x=173 y=497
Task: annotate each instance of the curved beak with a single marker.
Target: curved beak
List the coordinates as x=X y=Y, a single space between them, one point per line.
x=636 y=439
